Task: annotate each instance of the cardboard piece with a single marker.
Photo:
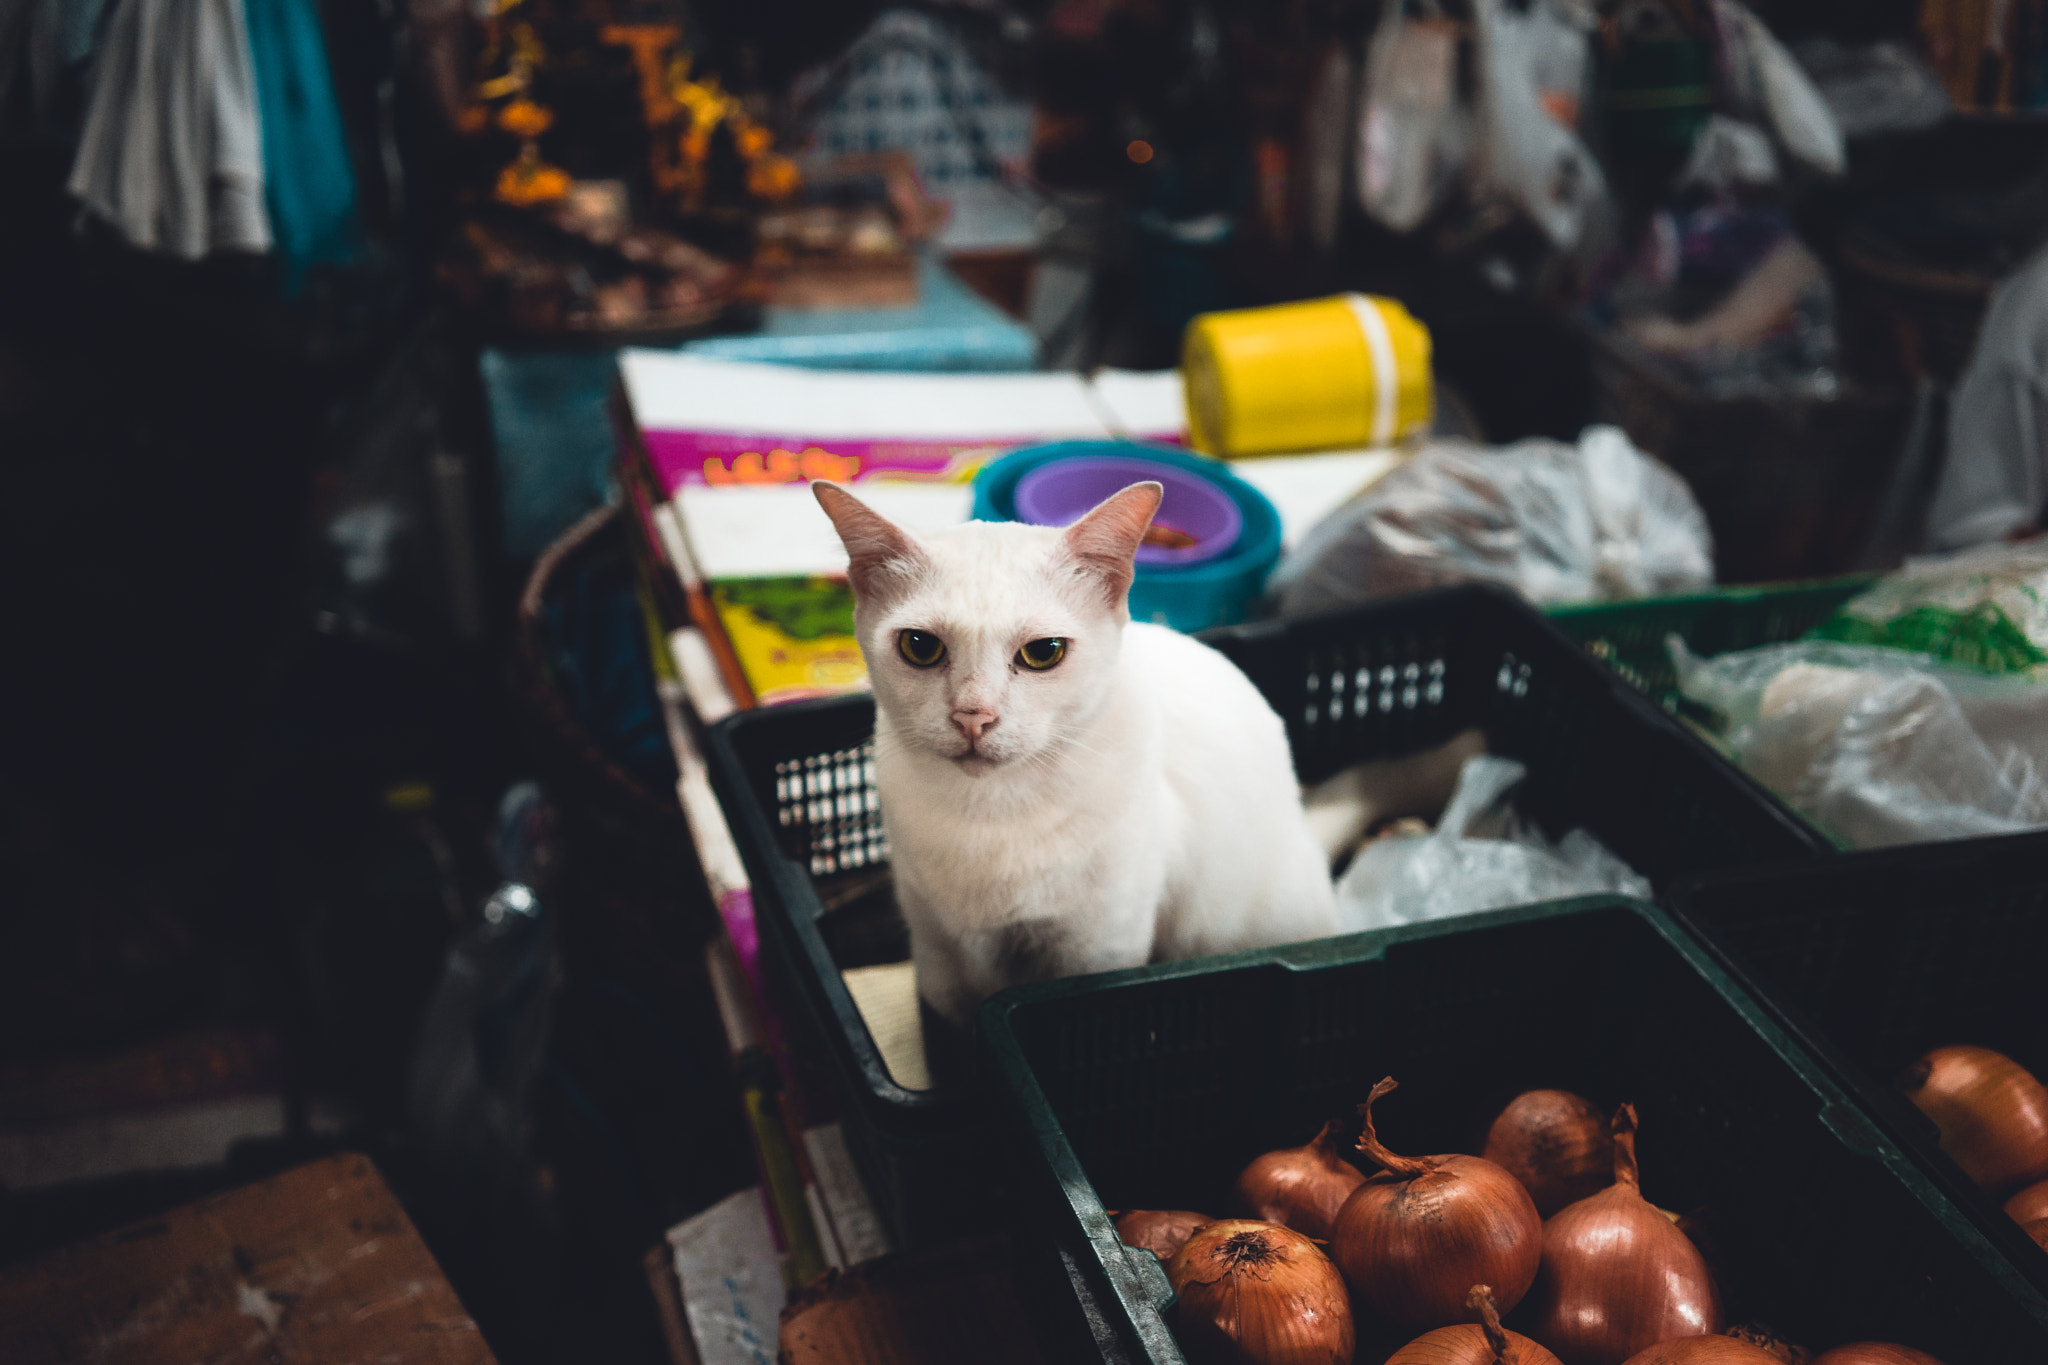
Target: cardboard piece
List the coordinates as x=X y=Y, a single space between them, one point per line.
x=318 y=1264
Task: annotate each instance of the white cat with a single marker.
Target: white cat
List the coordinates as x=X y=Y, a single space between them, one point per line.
x=1065 y=790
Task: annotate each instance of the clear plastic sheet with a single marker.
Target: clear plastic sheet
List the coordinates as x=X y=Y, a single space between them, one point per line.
x=1483 y=855
x=1595 y=521
x=1881 y=746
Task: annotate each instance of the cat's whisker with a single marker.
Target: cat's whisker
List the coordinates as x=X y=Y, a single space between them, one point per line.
x=1073 y=740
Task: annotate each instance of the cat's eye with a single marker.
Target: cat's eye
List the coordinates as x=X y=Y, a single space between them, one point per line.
x=920 y=648
x=1042 y=654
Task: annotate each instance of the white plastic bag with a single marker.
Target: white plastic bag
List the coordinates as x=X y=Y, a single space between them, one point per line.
x=1881 y=746
x=1527 y=151
x=1729 y=155
x=1414 y=136
x=1763 y=79
x=1482 y=856
x=1559 y=523
x=1994 y=482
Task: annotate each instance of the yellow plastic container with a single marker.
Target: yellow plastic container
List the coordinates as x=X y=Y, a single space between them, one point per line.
x=1346 y=371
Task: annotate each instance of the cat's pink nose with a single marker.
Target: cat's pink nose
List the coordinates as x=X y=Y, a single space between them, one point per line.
x=974 y=724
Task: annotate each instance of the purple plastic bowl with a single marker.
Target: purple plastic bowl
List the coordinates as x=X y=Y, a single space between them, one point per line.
x=1057 y=494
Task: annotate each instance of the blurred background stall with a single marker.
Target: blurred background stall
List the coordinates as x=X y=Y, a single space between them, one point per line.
x=406 y=417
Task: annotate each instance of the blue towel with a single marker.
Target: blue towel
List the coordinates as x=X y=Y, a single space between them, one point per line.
x=309 y=186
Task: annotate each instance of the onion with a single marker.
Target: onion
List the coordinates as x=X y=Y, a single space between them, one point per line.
x=1703 y=1351
x=1414 y=1239
x=1159 y=1231
x=1301 y=1187
x=2038 y=1230
x=2029 y=1204
x=1258 y=1294
x=1554 y=1142
x=1618 y=1278
x=1770 y=1343
x=1486 y=1343
x=1874 y=1353
x=1993 y=1114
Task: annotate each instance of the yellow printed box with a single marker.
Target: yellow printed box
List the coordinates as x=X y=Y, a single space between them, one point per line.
x=793 y=636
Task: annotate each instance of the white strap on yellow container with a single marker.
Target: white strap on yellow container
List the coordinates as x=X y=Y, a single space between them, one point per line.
x=1324 y=374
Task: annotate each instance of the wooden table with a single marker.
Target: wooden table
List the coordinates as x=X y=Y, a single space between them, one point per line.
x=319 y=1264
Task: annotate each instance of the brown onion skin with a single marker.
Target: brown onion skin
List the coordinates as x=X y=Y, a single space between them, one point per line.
x=1465 y=1345
x=1703 y=1350
x=1159 y=1231
x=1413 y=1239
x=1992 y=1113
x=1771 y=1344
x=1300 y=1187
x=1618 y=1278
x=1554 y=1142
x=1874 y=1353
x=2038 y=1230
x=1472 y=1343
x=1303 y=1317
x=2029 y=1204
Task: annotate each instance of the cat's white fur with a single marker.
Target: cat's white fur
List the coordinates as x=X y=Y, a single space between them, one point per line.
x=1135 y=803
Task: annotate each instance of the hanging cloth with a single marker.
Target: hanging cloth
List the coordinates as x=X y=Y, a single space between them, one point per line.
x=172 y=151
x=55 y=36
x=309 y=185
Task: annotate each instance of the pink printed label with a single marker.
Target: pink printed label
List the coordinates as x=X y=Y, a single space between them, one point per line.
x=711 y=457
x=736 y=908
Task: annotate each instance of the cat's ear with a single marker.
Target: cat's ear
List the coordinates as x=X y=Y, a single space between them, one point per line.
x=881 y=554
x=1104 y=543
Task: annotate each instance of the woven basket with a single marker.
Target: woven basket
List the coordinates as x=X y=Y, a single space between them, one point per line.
x=573 y=764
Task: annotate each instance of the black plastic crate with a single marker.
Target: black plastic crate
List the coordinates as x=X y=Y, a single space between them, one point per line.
x=1152 y=1088
x=1365 y=682
x=1876 y=958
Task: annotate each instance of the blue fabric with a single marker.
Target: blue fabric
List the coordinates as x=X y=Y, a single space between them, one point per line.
x=551 y=423
x=308 y=185
x=603 y=661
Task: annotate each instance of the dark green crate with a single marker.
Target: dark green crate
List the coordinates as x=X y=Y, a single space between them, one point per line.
x=1888 y=954
x=1630 y=636
x=1152 y=1088
x=1373 y=681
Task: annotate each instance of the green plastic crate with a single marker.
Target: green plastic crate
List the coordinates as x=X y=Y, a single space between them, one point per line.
x=1630 y=636
x=1152 y=1088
